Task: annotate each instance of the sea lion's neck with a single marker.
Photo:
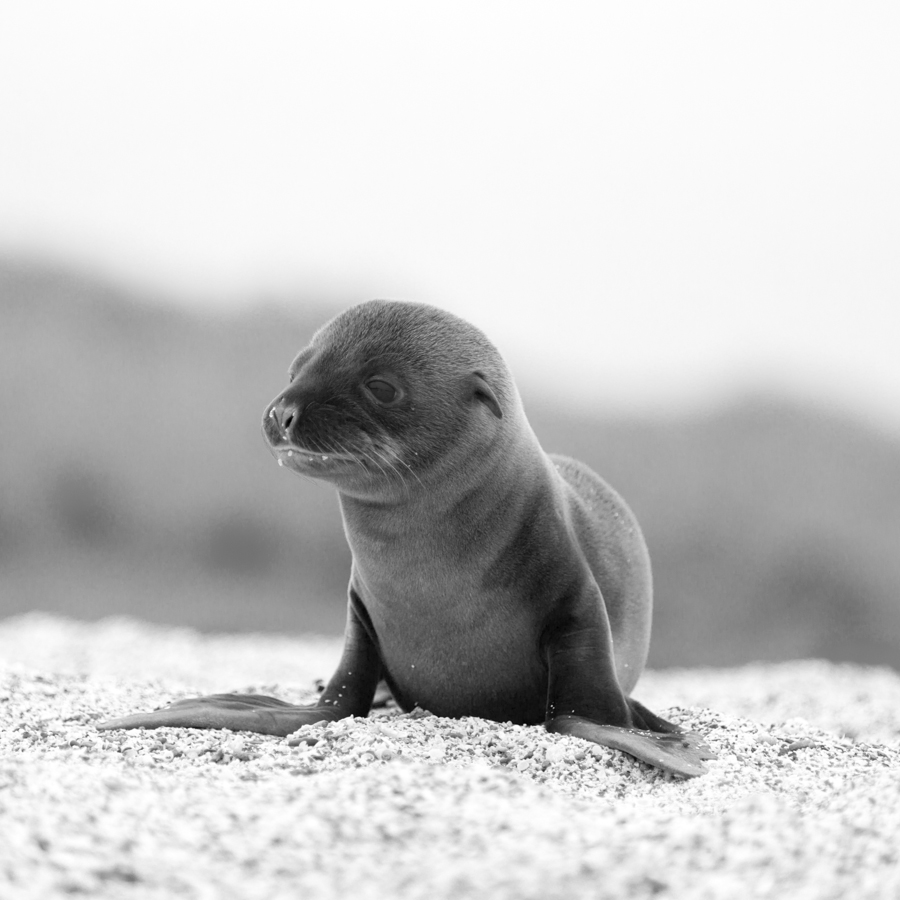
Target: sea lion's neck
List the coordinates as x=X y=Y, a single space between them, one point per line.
x=482 y=482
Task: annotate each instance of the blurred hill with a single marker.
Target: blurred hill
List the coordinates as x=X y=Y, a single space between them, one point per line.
x=133 y=479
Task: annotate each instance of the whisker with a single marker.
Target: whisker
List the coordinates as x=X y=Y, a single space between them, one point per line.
x=370 y=456
x=394 y=462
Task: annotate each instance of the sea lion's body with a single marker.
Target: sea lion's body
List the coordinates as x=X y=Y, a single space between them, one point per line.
x=471 y=586
x=488 y=578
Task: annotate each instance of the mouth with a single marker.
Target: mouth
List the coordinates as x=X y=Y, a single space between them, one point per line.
x=293 y=456
x=300 y=459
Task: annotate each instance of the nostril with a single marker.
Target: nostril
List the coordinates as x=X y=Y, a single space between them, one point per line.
x=281 y=417
x=285 y=415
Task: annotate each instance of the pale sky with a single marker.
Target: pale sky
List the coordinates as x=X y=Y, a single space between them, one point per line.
x=646 y=203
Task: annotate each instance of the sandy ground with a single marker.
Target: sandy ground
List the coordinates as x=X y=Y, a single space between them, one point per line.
x=803 y=802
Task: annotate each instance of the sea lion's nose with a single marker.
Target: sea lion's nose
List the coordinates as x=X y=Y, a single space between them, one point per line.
x=284 y=414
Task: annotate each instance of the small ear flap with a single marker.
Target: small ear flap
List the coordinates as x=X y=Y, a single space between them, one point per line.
x=482 y=392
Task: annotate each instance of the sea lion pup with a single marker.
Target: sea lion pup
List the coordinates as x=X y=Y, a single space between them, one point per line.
x=488 y=579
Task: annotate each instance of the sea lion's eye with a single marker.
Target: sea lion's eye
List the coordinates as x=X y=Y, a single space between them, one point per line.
x=383 y=391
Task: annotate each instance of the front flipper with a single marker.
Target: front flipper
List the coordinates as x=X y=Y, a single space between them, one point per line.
x=348 y=693
x=238 y=712
x=674 y=751
x=584 y=697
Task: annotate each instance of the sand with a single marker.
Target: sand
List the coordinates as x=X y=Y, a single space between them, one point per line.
x=803 y=801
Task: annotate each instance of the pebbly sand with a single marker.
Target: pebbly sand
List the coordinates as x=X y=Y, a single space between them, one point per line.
x=803 y=802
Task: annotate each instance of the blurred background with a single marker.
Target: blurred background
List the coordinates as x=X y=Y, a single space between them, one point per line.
x=679 y=223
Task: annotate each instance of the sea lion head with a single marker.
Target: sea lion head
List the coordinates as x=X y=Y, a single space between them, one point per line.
x=387 y=395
